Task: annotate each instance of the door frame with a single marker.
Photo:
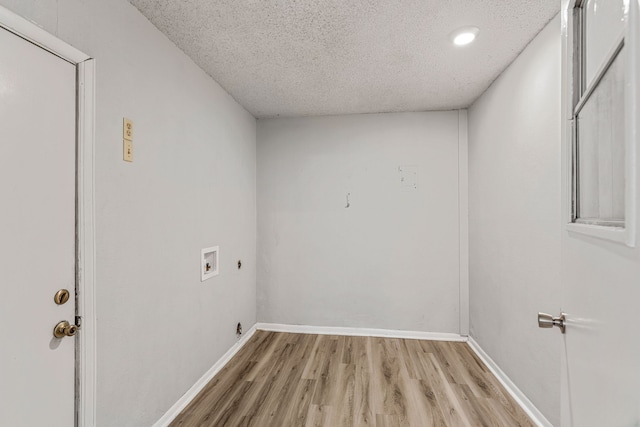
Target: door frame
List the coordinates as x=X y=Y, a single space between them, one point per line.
x=85 y=345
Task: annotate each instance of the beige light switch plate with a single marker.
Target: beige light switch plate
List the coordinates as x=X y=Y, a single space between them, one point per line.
x=127 y=129
x=127 y=154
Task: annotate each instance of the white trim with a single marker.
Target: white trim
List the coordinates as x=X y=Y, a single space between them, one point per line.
x=360 y=332
x=86 y=308
x=32 y=32
x=632 y=134
x=186 y=398
x=463 y=219
x=527 y=406
x=85 y=127
x=566 y=113
x=619 y=235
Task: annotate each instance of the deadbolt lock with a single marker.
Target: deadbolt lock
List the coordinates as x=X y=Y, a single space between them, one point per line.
x=61 y=296
x=64 y=329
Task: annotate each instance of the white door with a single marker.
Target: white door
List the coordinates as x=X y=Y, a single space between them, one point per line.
x=601 y=277
x=37 y=234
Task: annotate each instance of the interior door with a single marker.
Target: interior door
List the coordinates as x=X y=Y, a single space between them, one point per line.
x=601 y=277
x=37 y=234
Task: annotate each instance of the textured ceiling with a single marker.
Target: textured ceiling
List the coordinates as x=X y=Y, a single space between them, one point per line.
x=316 y=57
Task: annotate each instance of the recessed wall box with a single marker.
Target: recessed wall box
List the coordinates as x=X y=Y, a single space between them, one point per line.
x=209 y=262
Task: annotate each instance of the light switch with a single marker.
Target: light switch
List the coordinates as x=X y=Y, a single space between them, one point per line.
x=127 y=154
x=127 y=129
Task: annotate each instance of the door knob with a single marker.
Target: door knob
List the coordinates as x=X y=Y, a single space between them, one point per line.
x=64 y=329
x=548 y=321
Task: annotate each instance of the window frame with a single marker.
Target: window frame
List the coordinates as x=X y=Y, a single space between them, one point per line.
x=577 y=92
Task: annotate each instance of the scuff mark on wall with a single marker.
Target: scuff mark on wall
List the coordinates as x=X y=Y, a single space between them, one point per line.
x=348 y=204
x=409 y=176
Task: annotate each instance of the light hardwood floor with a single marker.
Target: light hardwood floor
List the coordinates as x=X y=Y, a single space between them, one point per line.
x=297 y=380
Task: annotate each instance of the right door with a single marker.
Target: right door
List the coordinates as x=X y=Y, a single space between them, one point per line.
x=601 y=277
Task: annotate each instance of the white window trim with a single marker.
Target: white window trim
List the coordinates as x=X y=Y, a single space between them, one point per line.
x=85 y=341
x=626 y=235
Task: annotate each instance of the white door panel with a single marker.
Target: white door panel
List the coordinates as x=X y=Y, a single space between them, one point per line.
x=601 y=278
x=37 y=233
x=601 y=377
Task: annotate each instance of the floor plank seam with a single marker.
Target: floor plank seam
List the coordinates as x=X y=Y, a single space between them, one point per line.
x=285 y=379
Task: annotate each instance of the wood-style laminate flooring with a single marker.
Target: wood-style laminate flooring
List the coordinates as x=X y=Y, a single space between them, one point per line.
x=282 y=380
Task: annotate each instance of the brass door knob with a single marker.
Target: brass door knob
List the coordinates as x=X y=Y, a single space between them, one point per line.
x=64 y=329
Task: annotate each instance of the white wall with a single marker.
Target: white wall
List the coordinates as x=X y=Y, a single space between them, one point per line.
x=192 y=185
x=388 y=261
x=514 y=219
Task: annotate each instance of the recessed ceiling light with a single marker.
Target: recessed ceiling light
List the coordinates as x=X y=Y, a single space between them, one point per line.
x=464 y=35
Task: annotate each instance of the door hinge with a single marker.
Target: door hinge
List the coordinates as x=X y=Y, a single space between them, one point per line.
x=78 y=321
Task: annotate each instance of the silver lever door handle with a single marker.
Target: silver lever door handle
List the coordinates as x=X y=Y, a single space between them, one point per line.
x=548 y=321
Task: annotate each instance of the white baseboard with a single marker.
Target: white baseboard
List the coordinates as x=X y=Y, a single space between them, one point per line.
x=527 y=406
x=360 y=332
x=186 y=398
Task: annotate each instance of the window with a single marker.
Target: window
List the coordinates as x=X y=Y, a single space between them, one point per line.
x=599 y=149
x=598 y=115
